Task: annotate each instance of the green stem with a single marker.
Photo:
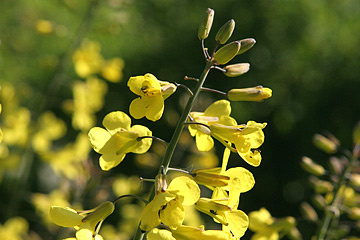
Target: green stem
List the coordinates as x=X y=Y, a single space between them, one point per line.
x=323 y=228
x=178 y=130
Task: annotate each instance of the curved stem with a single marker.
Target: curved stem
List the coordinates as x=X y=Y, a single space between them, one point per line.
x=153 y=137
x=214 y=91
x=178 y=130
x=198 y=123
x=130 y=195
x=185 y=87
x=323 y=228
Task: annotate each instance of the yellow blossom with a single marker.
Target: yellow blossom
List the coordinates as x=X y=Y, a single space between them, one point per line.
x=87 y=59
x=84 y=222
x=14 y=228
x=112 y=69
x=167 y=205
x=118 y=139
x=254 y=94
x=218 y=112
x=188 y=233
x=152 y=94
x=44 y=26
x=247 y=139
x=267 y=227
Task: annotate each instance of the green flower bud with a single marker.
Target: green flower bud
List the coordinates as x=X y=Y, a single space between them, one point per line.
x=341 y=231
x=254 y=94
x=294 y=234
x=320 y=186
x=235 y=70
x=246 y=44
x=225 y=32
x=311 y=167
x=336 y=166
x=226 y=53
x=325 y=144
x=308 y=212
x=354 y=213
x=206 y=23
x=319 y=201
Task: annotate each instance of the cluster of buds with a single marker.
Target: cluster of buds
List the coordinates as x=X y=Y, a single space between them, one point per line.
x=335 y=187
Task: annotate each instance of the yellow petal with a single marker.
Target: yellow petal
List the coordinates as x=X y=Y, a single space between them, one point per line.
x=159 y=234
x=109 y=161
x=98 y=138
x=260 y=220
x=138 y=108
x=251 y=157
x=85 y=232
x=173 y=215
x=204 y=142
x=149 y=217
x=218 y=108
x=64 y=216
x=238 y=222
x=247 y=180
x=135 y=84
x=155 y=110
x=234 y=193
x=116 y=121
x=186 y=187
x=143 y=145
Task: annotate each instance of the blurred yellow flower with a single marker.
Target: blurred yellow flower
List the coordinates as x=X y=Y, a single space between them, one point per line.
x=44 y=26
x=1 y=133
x=218 y=112
x=167 y=205
x=267 y=227
x=17 y=126
x=118 y=139
x=14 y=228
x=112 y=69
x=87 y=59
x=84 y=222
x=152 y=94
x=50 y=128
x=247 y=139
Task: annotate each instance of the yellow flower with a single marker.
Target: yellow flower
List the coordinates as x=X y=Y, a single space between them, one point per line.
x=118 y=139
x=152 y=94
x=266 y=227
x=218 y=112
x=84 y=222
x=87 y=59
x=167 y=205
x=188 y=233
x=247 y=139
x=254 y=94
x=14 y=228
x=112 y=69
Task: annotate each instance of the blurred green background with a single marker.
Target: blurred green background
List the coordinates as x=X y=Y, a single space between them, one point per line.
x=306 y=52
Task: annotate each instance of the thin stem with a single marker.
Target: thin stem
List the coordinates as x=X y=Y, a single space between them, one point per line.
x=220 y=69
x=206 y=54
x=323 y=228
x=178 y=130
x=214 y=91
x=198 y=123
x=191 y=78
x=153 y=137
x=130 y=195
x=178 y=170
x=185 y=87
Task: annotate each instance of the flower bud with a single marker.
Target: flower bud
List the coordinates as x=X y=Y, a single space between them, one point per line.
x=254 y=94
x=319 y=201
x=168 y=89
x=246 y=44
x=294 y=234
x=161 y=183
x=320 y=186
x=206 y=23
x=225 y=32
x=308 y=212
x=354 y=179
x=336 y=166
x=226 y=53
x=311 y=167
x=235 y=70
x=354 y=213
x=325 y=144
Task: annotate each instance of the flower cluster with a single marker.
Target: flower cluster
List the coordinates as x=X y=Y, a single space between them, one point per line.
x=165 y=214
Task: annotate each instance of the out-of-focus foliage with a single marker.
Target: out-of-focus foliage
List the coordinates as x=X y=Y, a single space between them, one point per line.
x=306 y=52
